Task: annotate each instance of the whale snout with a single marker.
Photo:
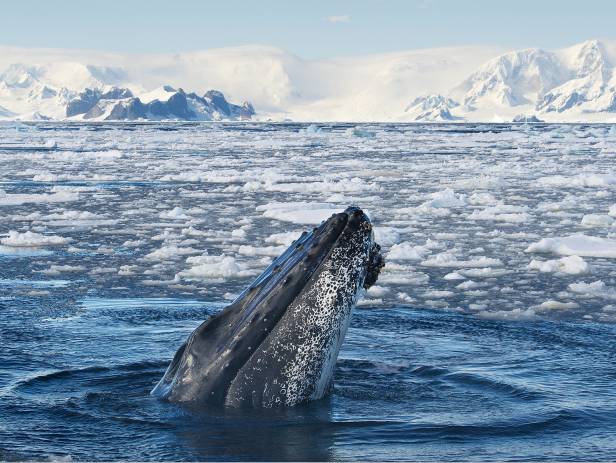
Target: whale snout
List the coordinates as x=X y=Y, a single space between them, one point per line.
x=359 y=223
x=357 y=218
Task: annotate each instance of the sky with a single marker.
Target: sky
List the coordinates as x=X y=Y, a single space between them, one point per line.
x=312 y=29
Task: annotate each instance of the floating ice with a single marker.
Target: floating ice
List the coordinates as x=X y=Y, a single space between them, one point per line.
x=386 y=236
x=582 y=180
x=170 y=252
x=32 y=239
x=360 y=132
x=377 y=291
x=482 y=198
x=578 y=245
x=272 y=251
x=298 y=212
x=572 y=265
x=447 y=259
x=177 y=213
x=58 y=269
x=502 y=213
x=556 y=305
x=446 y=198
x=485 y=272
x=514 y=314
x=407 y=251
x=594 y=289
x=8 y=199
x=283 y=238
x=597 y=220
x=215 y=268
x=145 y=200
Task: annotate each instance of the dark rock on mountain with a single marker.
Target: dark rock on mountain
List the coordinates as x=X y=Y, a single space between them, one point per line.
x=121 y=104
x=532 y=119
x=218 y=100
x=128 y=110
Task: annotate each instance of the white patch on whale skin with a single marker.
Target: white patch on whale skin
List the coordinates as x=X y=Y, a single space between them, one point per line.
x=302 y=349
x=335 y=290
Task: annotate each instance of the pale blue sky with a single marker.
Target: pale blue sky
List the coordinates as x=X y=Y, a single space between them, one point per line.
x=354 y=26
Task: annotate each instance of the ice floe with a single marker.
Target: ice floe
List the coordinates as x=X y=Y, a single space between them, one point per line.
x=32 y=239
x=576 y=245
x=298 y=212
x=572 y=265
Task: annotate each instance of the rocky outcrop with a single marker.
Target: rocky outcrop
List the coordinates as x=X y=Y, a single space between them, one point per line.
x=432 y=108
x=121 y=104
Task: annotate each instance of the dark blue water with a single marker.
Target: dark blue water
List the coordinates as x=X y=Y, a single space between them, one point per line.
x=431 y=369
x=409 y=385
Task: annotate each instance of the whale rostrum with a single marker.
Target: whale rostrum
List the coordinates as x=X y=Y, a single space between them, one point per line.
x=277 y=343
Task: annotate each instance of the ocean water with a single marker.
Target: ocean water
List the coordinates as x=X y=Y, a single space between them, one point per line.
x=490 y=334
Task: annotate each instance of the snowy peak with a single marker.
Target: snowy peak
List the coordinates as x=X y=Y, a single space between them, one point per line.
x=590 y=58
x=579 y=79
x=74 y=90
x=432 y=108
x=512 y=79
x=471 y=83
x=588 y=88
x=43 y=91
x=71 y=75
x=121 y=104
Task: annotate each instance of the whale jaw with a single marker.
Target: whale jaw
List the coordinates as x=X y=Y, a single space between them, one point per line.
x=277 y=343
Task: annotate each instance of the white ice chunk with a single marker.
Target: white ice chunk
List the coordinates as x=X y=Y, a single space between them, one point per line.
x=446 y=198
x=571 y=265
x=514 y=314
x=8 y=199
x=377 y=291
x=597 y=220
x=386 y=236
x=215 y=267
x=298 y=212
x=446 y=259
x=556 y=305
x=170 y=252
x=285 y=238
x=272 y=251
x=502 y=213
x=578 y=245
x=582 y=180
x=177 y=213
x=595 y=289
x=31 y=239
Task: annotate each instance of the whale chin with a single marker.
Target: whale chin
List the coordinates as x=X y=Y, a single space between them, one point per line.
x=277 y=343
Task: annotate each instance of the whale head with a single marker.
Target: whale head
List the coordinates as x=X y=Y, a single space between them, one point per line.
x=277 y=343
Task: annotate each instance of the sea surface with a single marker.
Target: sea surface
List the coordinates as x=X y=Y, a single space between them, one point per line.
x=490 y=335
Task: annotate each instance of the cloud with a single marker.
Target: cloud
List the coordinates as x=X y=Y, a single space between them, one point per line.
x=345 y=18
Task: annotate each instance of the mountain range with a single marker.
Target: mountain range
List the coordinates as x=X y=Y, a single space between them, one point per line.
x=446 y=84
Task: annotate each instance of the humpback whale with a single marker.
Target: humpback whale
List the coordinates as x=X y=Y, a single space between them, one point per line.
x=277 y=343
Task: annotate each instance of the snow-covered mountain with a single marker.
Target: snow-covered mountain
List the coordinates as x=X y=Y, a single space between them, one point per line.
x=71 y=90
x=165 y=103
x=446 y=84
x=579 y=80
x=433 y=108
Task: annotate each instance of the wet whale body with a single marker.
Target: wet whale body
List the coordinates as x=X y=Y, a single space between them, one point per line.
x=277 y=343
